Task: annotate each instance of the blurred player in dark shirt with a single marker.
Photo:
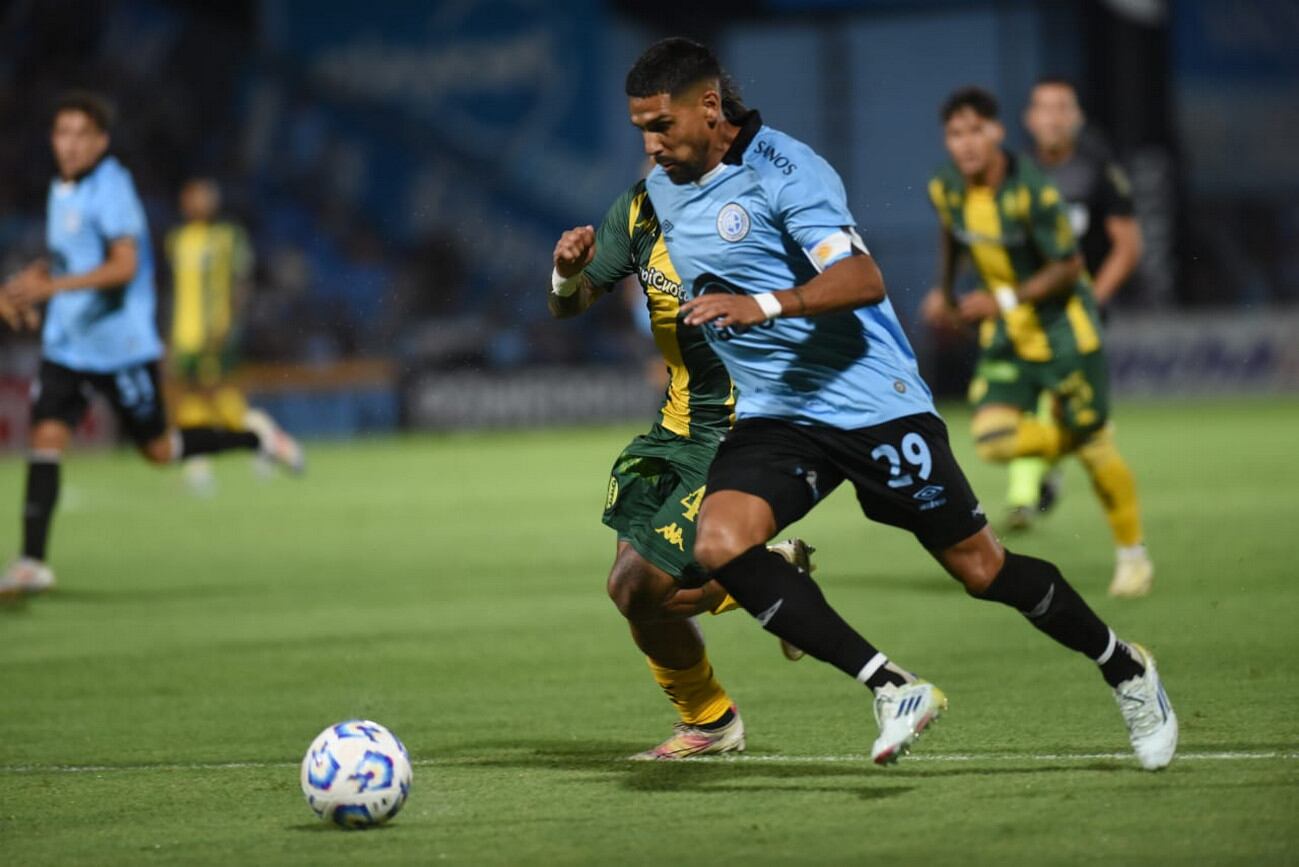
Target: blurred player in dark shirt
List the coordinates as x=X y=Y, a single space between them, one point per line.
x=1098 y=197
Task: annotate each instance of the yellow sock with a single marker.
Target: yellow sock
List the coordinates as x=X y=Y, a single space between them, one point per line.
x=728 y=603
x=1114 y=484
x=694 y=692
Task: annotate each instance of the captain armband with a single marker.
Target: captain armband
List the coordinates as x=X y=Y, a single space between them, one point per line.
x=835 y=246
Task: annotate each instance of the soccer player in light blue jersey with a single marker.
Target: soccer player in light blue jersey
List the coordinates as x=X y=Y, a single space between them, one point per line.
x=99 y=333
x=759 y=229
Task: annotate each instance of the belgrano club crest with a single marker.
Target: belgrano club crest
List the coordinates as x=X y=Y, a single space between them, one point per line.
x=732 y=222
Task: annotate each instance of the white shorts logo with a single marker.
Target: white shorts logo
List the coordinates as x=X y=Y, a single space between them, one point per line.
x=733 y=222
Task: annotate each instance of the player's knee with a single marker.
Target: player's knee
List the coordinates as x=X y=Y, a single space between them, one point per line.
x=717 y=547
x=50 y=437
x=994 y=434
x=157 y=451
x=635 y=590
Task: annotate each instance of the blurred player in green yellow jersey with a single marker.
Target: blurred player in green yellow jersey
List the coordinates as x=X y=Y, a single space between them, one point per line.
x=1098 y=199
x=211 y=265
x=1039 y=329
x=656 y=486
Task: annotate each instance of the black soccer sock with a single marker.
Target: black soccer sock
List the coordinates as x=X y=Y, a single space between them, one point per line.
x=38 y=502
x=789 y=605
x=1037 y=590
x=206 y=440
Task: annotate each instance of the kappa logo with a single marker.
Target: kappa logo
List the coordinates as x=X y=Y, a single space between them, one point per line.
x=733 y=222
x=674 y=536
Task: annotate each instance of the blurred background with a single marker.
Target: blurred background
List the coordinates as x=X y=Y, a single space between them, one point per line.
x=403 y=169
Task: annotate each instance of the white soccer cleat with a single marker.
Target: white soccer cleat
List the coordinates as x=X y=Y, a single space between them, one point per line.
x=1152 y=724
x=688 y=741
x=903 y=713
x=276 y=445
x=1134 y=574
x=799 y=555
x=26 y=576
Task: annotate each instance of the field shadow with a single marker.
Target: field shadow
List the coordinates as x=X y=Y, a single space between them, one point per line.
x=330 y=828
x=607 y=760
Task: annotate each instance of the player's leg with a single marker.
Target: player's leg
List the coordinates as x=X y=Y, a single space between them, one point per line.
x=193 y=407
x=58 y=405
x=767 y=475
x=675 y=653
x=1009 y=427
x=653 y=500
x=1037 y=590
x=1034 y=587
x=1032 y=481
x=136 y=396
x=1084 y=395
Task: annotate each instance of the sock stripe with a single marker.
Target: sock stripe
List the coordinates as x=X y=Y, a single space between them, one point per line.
x=874 y=664
x=44 y=456
x=1109 y=649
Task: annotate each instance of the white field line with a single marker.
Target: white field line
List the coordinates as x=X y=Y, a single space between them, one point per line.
x=934 y=758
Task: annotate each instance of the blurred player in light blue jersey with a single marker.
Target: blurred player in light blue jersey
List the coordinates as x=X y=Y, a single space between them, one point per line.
x=99 y=334
x=760 y=232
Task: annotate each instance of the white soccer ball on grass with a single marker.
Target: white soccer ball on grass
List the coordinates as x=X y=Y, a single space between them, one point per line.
x=356 y=774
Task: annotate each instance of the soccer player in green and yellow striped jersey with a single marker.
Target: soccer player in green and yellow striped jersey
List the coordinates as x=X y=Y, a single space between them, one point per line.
x=1038 y=325
x=656 y=486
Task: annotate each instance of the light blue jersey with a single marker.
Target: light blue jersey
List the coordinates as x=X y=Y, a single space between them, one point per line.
x=770 y=217
x=99 y=330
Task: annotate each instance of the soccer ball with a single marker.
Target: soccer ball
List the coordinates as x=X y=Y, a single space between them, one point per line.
x=356 y=774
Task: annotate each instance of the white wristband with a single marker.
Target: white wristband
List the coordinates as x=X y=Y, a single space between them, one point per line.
x=564 y=286
x=1007 y=300
x=770 y=304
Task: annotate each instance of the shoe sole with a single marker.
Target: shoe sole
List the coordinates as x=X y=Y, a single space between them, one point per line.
x=891 y=756
x=650 y=757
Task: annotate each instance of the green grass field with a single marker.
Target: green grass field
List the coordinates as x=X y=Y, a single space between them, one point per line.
x=154 y=709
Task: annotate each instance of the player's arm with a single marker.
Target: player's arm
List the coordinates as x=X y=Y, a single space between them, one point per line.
x=1053 y=236
x=35 y=284
x=572 y=290
x=589 y=261
x=851 y=281
x=1124 y=232
x=939 y=308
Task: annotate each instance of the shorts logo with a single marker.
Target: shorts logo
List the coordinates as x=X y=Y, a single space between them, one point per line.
x=612 y=496
x=672 y=533
x=928 y=492
x=732 y=222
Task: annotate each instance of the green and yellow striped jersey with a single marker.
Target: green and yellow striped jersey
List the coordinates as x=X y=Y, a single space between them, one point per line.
x=699 y=402
x=208 y=259
x=1011 y=233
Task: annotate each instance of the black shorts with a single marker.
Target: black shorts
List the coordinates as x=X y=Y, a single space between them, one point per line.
x=903 y=470
x=135 y=393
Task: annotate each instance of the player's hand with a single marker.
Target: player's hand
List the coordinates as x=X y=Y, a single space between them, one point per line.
x=30 y=287
x=722 y=309
x=575 y=250
x=17 y=317
x=978 y=306
x=937 y=312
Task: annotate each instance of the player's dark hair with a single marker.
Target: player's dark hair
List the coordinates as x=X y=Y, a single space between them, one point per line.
x=733 y=107
x=976 y=99
x=95 y=106
x=671 y=66
x=1059 y=81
